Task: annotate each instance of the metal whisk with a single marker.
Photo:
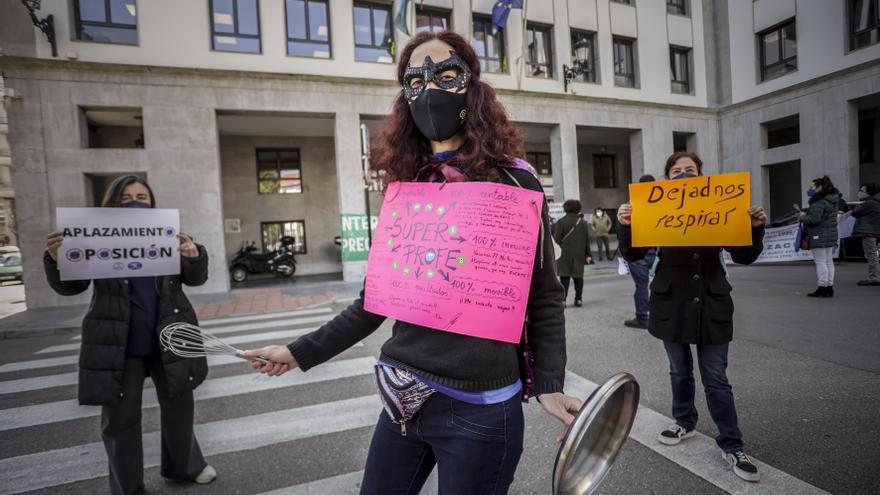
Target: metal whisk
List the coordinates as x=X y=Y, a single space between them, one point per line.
x=190 y=341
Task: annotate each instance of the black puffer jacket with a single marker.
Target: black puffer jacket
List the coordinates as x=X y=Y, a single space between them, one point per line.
x=867 y=217
x=105 y=329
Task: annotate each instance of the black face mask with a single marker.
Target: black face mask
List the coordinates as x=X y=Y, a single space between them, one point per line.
x=685 y=175
x=438 y=113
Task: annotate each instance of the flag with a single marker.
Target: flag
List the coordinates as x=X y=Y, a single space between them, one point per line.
x=502 y=9
x=401 y=20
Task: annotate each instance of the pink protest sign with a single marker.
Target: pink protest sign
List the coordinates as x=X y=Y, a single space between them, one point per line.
x=457 y=258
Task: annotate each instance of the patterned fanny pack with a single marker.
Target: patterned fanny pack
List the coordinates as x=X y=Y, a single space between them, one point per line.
x=402 y=394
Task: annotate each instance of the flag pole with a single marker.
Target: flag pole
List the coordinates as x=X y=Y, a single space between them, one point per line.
x=522 y=55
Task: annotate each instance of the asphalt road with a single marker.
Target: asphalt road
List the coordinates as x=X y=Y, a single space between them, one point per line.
x=804 y=372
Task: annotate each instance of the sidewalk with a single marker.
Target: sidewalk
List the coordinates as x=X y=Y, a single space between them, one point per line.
x=244 y=301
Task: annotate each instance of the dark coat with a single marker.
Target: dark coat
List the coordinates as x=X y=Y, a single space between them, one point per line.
x=867 y=217
x=105 y=329
x=690 y=295
x=821 y=219
x=575 y=247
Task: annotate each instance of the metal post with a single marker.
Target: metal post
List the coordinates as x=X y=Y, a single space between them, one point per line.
x=365 y=165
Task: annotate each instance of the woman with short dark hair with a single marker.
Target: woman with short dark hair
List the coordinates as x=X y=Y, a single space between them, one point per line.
x=120 y=347
x=690 y=305
x=573 y=237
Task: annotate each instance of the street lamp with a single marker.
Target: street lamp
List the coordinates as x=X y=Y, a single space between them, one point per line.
x=580 y=64
x=47 y=25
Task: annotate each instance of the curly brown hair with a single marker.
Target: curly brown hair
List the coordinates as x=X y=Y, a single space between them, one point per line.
x=490 y=138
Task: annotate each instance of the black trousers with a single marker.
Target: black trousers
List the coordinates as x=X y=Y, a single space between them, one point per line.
x=578 y=287
x=121 y=430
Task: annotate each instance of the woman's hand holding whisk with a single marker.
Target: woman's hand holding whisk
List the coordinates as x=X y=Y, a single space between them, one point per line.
x=280 y=360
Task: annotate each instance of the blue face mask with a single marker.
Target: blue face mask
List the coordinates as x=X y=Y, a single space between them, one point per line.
x=685 y=175
x=135 y=204
x=811 y=192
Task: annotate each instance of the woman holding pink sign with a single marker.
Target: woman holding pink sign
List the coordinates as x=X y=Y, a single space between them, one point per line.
x=451 y=400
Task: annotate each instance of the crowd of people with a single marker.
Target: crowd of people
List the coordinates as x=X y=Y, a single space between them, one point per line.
x=460 y=394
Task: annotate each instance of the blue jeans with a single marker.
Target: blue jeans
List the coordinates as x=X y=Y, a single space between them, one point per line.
x=719 y=395
x=639 y=271
x=476 y=449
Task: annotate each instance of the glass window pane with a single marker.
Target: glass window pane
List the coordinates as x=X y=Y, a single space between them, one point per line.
x=318 y=26
x=236 y=44
x=248 y=20
x=789 y=37
x=109 y=34
x=296 y=19
x=440 y=23
x=479 y=40
x=381 y=26
x=223 y=16
x=306 y=49
x=382 y=55
x=123 y=12
x=362 y=34
x=92 y=10
x=771 y=48
x=423 y=23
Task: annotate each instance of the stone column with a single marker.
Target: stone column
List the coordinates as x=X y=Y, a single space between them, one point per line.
x=564 y=161
x=349 y=176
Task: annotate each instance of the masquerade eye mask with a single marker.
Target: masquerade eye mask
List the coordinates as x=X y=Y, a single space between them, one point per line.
x=450 y=73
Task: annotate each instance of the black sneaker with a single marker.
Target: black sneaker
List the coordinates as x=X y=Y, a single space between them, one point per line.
x=636 y=323
x=578 y=303
x=868 y=282
x=674 y=435
x=742 y=465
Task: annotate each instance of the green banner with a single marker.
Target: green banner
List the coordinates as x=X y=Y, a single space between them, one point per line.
x=354 y=236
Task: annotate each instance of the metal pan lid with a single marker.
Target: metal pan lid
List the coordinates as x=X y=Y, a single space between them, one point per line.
x=596 y=436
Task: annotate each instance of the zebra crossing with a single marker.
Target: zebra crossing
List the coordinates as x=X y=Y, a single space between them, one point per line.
x=307 y=433
x=230 y=380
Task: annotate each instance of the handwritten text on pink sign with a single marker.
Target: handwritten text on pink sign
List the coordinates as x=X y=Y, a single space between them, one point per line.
x=457 y=258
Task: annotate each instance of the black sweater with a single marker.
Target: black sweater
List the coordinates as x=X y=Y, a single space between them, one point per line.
x=454 y=360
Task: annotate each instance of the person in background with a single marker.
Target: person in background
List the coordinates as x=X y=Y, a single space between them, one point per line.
x=691 y=305
x=867 y=227
x=573 y=237
x=640 y=271
x=120 y=348
x=820 y=220
x=602 y=227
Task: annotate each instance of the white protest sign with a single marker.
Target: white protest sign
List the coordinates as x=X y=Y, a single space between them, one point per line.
x=118 y=242
x=779 y=244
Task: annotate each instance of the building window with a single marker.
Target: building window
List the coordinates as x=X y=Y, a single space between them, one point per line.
x=489 y=45
x=603 y=172
x=308 y=28
x=106 y=21
x=539 y=60
x=584 y=42
x=677 y=7
x=372 y=33
x=236 y=26
x=625 y=2
x=778 y=50
x=272 y=232
x=541 y=161
x=279 y=171
x=112 y=127
x=680 y=64
x=783 y=132
x=624 y=63
x=431 y=20
x=864 y=23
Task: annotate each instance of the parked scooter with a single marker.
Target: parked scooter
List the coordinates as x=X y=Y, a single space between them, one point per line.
x=247 y=261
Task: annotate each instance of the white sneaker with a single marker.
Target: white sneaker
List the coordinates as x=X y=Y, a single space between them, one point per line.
x=207 y=475
x=674 y=435
x=742 y=465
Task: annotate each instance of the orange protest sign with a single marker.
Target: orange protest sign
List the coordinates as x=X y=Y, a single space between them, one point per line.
x=710 y=210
